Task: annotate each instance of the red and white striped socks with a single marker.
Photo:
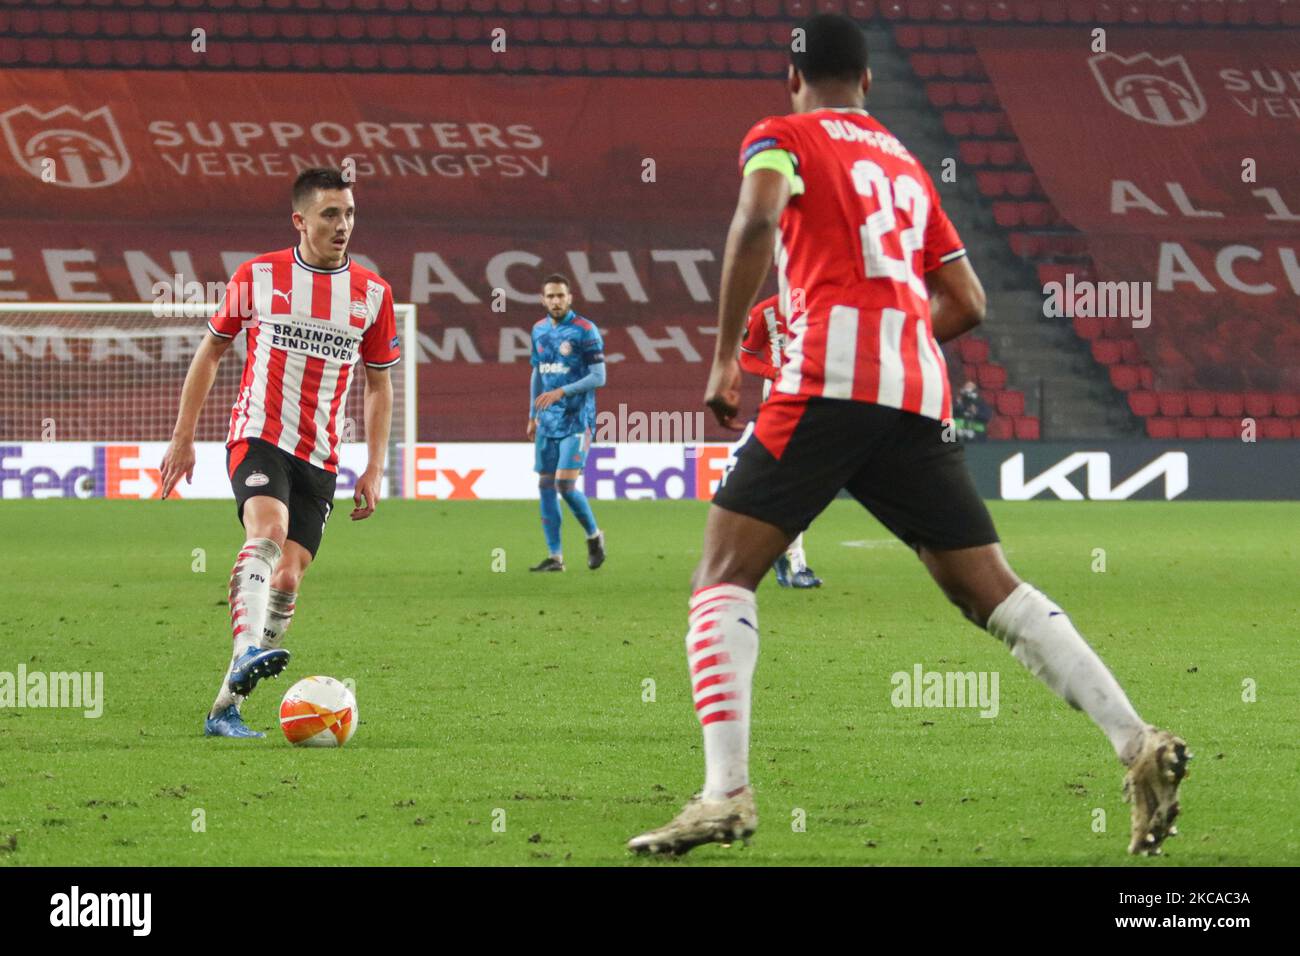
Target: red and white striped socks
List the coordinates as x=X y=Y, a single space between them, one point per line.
x=721 y=650
x=250 y=591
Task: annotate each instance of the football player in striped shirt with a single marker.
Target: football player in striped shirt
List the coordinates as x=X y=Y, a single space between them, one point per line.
x=309 y=313
x=568 y=361
x=761 y=353
x=861 y=240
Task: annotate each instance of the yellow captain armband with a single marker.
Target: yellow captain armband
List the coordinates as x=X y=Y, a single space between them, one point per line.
x=782 y=162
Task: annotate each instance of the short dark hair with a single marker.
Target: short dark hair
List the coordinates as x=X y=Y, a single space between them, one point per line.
x=834 y=48
x=310 y=180
x=556 y=278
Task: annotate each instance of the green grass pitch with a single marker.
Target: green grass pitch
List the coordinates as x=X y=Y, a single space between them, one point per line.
x=504 y=719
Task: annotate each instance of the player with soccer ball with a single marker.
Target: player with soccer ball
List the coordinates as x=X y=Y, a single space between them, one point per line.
x=309 y=313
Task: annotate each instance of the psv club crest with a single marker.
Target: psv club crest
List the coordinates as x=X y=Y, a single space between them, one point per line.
x=86 y=148
x=1162 y=92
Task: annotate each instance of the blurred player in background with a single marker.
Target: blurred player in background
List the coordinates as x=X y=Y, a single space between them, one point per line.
x=761 y=353
x=568 y=359
x=309 y=312
x=856 y=224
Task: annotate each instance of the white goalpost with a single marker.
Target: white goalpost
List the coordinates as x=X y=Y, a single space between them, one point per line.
x=112 y=372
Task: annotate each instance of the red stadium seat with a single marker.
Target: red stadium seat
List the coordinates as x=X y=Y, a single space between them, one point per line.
x=1131 y=351
x=1274 y=428
x=697 y=33
x=999 y=428
x=1002 y=154
x=365 y=56
x=742 y=63
x=1006 y=214
x=972 y=350
x=973 y=153
x=67 y=52
x=932 y=37
x=1106 y=351
x=925 y=65
x=668 y=32
x=986 y=125
x=957 y=124
x=305 y=56
x=971 y=95
x=655 y=61
x=1124 y=377
x=1143 y=403
x=991 y=376
x=395 y=56
x=1258 y=404
x=941 y=95
x=1026 y=428
x=1192 y=428
x=753 y=33
x=1011 y=403
x=685 y=61
x=1087 y=327
x=1222 y=428
x=952 y=65
x=627 y=60
x=713 y=62
x=380 y=27
x=1020 y=184
x=1172 y=404
x=334 y=56
x=726 y=34
x=1025 y=245
x=1200 y=404
x=525 y=30
x=1229 y=404
x=772 y=63
x=990 y=183
x=597 y=59
x=1286 y=405
x=540 y=59
x=1162 y=428
x=909 y=37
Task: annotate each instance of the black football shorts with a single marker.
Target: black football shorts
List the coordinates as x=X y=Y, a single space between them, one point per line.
x=804 y=450
x=257 y=467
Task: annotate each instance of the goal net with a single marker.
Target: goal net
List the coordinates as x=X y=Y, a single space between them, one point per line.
x=113 y=373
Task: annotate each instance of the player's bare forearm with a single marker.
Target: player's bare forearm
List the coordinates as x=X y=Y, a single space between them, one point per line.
x=378 y=413
x=744 y=267
x=763 y=197
x=378 y=416
x=957 y=301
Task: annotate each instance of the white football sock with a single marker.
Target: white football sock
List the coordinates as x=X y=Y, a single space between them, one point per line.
x=722 y=649
x=279 y=615
x=250 y=590
x=798 y=560
x=1042 y=638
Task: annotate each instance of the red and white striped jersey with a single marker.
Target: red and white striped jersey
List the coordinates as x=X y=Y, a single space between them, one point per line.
x=852 y=250
x=306 y=327
x=763 y=350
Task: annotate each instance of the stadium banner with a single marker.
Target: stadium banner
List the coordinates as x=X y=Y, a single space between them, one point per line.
x=1136 y=470
x=467 y=471
x=470 y=189
x=1174 y=151
x=443 y=471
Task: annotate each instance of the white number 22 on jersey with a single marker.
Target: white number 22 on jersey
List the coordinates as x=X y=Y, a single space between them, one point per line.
x=903 y=193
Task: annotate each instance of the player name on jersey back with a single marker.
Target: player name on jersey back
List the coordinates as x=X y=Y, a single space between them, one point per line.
x=861 y=230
